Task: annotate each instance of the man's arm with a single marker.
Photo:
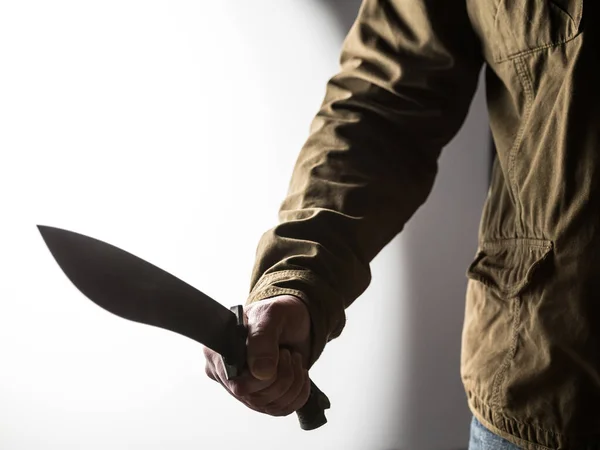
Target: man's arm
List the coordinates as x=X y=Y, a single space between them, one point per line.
x=409 y=70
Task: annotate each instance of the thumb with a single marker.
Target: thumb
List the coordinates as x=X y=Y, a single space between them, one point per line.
x=263 y=350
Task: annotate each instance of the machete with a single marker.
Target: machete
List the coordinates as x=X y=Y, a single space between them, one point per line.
x=134 y=289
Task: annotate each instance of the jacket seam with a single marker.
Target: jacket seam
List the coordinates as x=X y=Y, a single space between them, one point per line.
x=264 y=288
x=514 y=242
x=282 y=274
x=501 y=373
x=504 y=434
x=497 y=13
x=536 y=49
x=528 y=85
x=557 y=437
x=273 y=291
x=576 y=21
x=528 y=90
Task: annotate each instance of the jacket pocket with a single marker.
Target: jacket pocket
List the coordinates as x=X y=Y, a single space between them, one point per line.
x=502 y=272
x=508 y=265
x=528 y=25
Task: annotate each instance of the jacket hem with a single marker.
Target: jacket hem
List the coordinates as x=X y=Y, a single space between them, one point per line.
x=526 y=436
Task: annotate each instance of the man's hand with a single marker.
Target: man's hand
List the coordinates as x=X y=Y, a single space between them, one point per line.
x=278 y=349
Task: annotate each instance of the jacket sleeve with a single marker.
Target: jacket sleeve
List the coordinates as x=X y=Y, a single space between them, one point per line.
x=408 y=73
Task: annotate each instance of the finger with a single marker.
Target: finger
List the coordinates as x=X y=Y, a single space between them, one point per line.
x=264 y=330
x=240 y=386
x=283 y=383
x=228 y=387
x=302 y=398
x=246 y=384
x=281 y=405
x=209 y=367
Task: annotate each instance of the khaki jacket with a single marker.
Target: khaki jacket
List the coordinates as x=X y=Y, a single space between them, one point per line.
x=409 y=68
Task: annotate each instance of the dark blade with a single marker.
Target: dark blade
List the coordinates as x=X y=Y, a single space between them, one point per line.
x=136 y=290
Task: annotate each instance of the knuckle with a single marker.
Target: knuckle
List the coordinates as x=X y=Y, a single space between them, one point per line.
x=262 y=308
x=267 y=313
x=258 y=331
x=275 y=308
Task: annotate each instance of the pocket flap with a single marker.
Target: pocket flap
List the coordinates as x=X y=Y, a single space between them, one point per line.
x=508 y=265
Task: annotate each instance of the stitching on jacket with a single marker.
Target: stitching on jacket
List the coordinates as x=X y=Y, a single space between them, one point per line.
x=501 y=373
x=529 y=444
x=510 y=290
x=497 y=13
x=554 y=434
x=500 y=243
x=575 y=21
x=272 y=291
x=497 y=29
x=528 y=85
x=281 y=275
x=537 y=49
x=527 y=88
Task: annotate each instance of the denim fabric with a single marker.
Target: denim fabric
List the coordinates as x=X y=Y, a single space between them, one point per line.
x=483 y=439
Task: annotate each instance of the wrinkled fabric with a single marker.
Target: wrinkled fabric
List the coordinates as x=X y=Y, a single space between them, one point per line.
x=530 y=360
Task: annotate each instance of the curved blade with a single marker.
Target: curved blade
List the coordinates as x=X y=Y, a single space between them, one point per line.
x=136 y=290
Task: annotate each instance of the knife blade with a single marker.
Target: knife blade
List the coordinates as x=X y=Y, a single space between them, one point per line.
x=137 y=290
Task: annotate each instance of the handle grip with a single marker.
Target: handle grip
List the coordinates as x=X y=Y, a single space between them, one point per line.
x=312 y=415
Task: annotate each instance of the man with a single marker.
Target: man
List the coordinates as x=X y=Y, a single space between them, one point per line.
x=531 y=340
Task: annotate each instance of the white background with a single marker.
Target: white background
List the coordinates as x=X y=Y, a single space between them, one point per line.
x=169 y=128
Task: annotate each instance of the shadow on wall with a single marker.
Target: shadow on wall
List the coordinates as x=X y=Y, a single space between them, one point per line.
x=439 y=244
x=344 y=11
x=437 y=247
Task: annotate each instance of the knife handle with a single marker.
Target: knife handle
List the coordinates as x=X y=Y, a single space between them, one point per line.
x=312 y=415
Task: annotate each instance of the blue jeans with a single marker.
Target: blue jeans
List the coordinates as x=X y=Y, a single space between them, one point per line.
x=483 y=439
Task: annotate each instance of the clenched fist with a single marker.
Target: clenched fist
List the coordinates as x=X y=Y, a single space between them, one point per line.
x=278 y=350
